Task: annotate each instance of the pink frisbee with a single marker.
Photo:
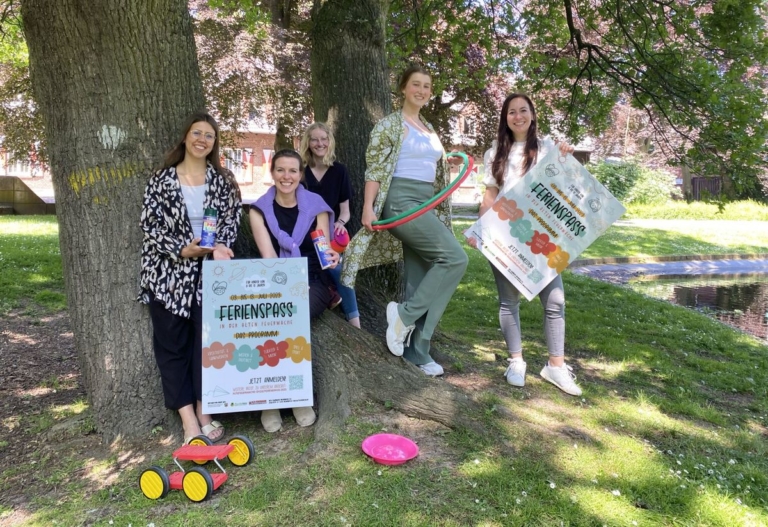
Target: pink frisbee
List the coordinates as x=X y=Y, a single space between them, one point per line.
x=390 y=449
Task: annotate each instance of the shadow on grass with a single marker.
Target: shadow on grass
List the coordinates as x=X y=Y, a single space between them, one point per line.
x=670 y=430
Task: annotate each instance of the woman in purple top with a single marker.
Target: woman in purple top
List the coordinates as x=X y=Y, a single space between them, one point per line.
x=281 y=221
x=330 y=179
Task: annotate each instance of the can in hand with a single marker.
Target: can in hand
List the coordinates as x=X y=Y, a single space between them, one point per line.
x=208 y=236
x=321 y=245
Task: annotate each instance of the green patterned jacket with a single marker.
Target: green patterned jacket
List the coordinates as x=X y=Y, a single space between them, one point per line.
x=367 y=248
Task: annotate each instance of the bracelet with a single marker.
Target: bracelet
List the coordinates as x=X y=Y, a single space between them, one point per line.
x=341 y=221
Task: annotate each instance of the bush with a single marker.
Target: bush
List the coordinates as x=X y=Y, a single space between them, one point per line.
x=631 y=182
x=617 y=178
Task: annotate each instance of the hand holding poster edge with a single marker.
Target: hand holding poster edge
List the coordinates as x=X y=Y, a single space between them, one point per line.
x=555 y=188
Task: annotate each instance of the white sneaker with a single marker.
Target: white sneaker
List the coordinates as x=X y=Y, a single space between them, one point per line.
x=562 y=377
x=515 y=373
x=397 y=332
x=432 y=369
x=305 y=415
x=271 y=420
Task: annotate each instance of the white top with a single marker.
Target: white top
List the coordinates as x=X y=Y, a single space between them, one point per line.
x=193 y=199
x=514 y=171
x=419 y=155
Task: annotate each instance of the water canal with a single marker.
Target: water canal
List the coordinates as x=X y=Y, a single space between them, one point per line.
x=741 y=302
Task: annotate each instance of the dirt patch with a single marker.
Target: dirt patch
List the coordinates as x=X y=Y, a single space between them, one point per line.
x=39 y=382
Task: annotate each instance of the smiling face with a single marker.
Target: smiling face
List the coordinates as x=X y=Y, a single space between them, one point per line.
x=418 y=90
x=319 y=143
x=199 y=140
x=519 y=118
x=286 y=174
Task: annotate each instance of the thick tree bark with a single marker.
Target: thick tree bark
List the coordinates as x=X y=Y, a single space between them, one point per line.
x=114 y=81
x=351 y=92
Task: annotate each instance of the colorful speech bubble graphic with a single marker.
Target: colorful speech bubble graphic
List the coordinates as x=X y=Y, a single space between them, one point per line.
x=272 y=352
x=540 y=243
x=521 y=230
x=245 y=358
x=299 y=349
x=558 y=259
x=507 y=209
x=217 y=355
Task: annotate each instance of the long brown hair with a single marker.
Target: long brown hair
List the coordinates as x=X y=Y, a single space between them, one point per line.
x=505 y=139
x=176 y=154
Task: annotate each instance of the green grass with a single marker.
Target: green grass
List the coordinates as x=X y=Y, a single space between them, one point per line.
x=677 y=210
x=681 y=239
x=30 y=264
x=671 y=430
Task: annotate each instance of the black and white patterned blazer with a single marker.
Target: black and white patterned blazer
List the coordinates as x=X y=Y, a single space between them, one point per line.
x=173 y=280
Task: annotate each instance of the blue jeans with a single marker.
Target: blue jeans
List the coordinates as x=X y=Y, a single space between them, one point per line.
x=347 y=294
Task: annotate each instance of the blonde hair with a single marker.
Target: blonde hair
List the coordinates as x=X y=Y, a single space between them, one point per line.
x=306 y=153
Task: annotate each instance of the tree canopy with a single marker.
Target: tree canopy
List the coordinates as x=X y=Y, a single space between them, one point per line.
x=696 y=70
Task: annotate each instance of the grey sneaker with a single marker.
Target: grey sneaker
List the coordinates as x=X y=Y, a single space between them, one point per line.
x=515 y=373
x=562 y=377
x=432 y=369
x=397 y=332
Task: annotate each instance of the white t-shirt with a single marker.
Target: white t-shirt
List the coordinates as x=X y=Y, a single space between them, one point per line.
x=514 y=164
x=419 y=155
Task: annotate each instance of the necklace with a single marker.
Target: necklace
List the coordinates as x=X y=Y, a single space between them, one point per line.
x=416 y=123
x=190 y=179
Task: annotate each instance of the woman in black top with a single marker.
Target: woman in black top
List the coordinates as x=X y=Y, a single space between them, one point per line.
x=330 y=179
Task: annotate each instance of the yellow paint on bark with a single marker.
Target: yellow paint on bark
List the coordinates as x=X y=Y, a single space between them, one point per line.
x=112 y=175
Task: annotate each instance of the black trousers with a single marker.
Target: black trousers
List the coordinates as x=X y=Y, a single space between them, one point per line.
x=177 y=342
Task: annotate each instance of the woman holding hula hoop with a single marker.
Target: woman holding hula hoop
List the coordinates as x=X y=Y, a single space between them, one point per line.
x=406 y=167
x=514 y=153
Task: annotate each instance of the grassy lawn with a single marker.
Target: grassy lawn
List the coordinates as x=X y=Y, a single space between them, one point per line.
x=30 y=264
x=680 y=210
x=671 y=429
x=682 y=239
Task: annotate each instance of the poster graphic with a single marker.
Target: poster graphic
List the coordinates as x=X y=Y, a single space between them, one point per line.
x=544 y=222
x=256 y=342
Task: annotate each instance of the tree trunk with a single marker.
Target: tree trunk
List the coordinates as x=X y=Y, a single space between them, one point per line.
x=351 y=92
x=114 y=81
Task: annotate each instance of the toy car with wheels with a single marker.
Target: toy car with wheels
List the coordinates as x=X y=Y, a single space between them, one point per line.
x=197 y=483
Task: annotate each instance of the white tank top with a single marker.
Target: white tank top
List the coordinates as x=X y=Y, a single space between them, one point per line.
x=419 y=155
x=193 y=199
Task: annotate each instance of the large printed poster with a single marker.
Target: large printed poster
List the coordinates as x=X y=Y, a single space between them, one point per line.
x=256 y=341
x=544 y=222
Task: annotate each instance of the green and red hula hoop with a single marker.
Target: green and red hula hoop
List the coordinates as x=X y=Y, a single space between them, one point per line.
x=434 y=201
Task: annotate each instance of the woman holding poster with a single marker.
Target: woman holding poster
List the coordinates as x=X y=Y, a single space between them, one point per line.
x=282 y=221
x=190 y=196
x=514 y=153
x=406 y=167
